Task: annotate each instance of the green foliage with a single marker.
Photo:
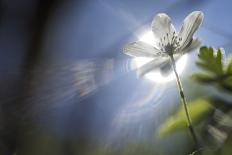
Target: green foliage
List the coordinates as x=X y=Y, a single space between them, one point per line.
x=226 y=149
x=40 y=143
x=197 y=109
x=216 y=71
x=210 y=61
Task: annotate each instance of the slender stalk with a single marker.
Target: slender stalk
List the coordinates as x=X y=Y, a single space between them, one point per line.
x=190 y=126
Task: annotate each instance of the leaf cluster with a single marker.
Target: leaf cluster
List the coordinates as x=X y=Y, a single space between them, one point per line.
x=215 y=69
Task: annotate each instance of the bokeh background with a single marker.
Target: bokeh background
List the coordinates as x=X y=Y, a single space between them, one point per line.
x=67 y=88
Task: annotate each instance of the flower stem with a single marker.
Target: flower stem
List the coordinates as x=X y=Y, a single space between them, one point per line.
x=190 y=126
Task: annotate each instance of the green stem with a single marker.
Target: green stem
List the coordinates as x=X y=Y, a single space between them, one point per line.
x=190 y=126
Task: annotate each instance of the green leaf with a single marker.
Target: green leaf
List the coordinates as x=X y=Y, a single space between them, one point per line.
x=210 y=61
x=228 y=81
x=214 y=70
x=229 y=66
x=226 y=84
x=226 y=149
x=197 y=109
x=203 y=78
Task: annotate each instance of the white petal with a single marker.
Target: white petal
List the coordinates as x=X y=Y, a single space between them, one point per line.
x=162 y=25
x=141 y=49
x=190 y=25
x=158 y=63
x=152 y=65
x=193 y=44
x=166 y=67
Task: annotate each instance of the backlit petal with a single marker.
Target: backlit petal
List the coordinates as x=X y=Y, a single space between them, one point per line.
x=189 y=27
x=193 y=44
x=141 y=49
x=161 y=26
x=152 y=65
x=166 y=68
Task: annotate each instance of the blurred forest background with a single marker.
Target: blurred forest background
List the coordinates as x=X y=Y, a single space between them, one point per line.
x=66 y=88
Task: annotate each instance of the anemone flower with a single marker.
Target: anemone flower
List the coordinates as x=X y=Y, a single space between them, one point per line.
x=168 y=47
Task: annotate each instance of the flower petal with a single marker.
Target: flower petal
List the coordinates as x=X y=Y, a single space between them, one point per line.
x=193 y=44
x=190 y=25
x=163 y=64
x=141 y=49
x=162 y=25
x=152 y=65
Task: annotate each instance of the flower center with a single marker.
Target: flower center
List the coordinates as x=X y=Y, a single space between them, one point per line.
x=170 y=43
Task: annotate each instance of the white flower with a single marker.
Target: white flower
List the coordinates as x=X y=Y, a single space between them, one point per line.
x=167 y=41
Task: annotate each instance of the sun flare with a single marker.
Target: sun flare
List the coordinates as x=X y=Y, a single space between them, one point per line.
x=156 y=76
